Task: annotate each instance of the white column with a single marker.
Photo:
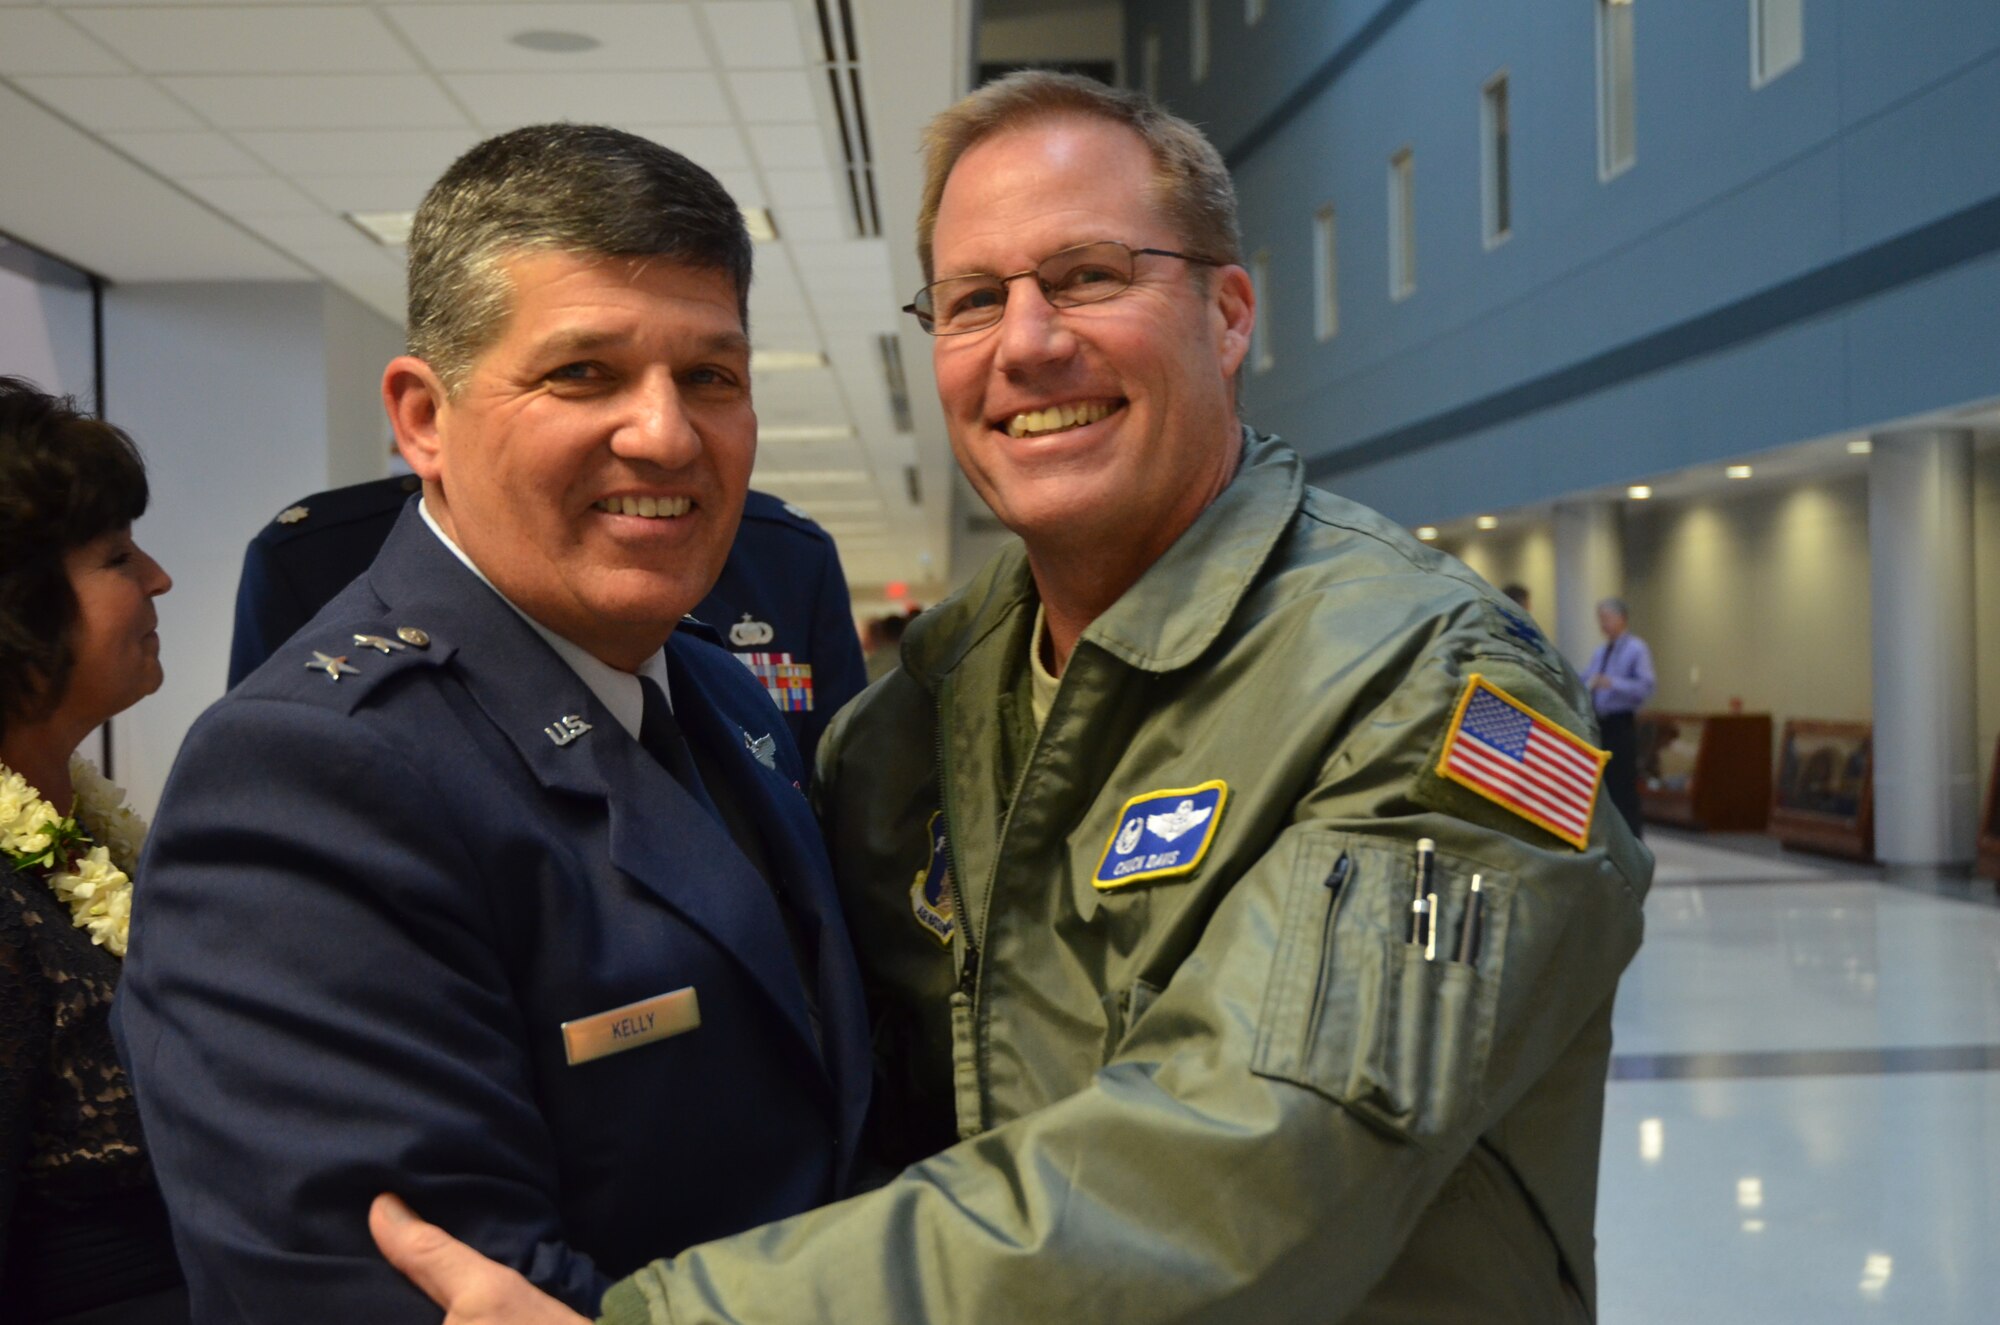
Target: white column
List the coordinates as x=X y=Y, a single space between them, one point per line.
x=1920 y=579
x=1590 y=567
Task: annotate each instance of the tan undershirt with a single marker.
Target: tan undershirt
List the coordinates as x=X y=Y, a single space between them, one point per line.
x=1041 y=685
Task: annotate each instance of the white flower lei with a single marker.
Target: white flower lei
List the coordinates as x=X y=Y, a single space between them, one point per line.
x=86 y=860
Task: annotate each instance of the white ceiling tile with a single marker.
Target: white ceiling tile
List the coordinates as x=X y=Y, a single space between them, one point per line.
x=368 y=193
x=312 y=236
x=855 y=254
x=134 y=4
x=503 y=101
x=790 y=146
x=187 y=155
x=361 y=151
x=716 y=147
x=252 y=196
x=776 y=97
x=458 y=38
x=744 y=186
x=306 y=39
x=811 y=223
x=110 y=103
x=325 y=101
x=801 y=188
x=37 y=41
x=757 y=34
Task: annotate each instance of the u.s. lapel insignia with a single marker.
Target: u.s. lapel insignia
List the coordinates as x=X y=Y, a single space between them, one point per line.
x=1160 y=834
x=930 y=892
x=334 y=667
x=764 y=749
x=566 y=728
x=750 y=632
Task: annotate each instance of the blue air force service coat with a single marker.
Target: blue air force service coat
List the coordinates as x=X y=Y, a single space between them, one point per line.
x=781 y=603
x=371 y=903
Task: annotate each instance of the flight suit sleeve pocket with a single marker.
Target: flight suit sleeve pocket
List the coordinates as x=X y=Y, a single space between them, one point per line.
x=1355 y=1011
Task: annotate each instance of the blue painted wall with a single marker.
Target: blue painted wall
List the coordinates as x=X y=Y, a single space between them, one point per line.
x=1817 y=255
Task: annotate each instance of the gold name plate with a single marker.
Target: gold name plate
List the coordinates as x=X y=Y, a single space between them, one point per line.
x=629 y=1027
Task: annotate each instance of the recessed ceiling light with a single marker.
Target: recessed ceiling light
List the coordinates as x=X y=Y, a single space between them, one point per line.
x=1860 y=446
x=1639 y=492
x=785 y=361
x=555 y=41
x=391 y=229
x=1427 y=532
x=1488 y=522
x=1738 y=471
x=762 y=228
x=806 y=433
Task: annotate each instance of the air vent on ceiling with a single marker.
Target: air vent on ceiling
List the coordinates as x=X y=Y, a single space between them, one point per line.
x=892 y=377
x=843 y=76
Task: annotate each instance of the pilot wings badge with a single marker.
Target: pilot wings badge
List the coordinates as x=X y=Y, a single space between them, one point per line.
x=1157 y=835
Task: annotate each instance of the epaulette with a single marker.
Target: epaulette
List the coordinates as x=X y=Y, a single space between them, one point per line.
x=700 y=629
x=773 y=510
x=339 y=668
x=341 y=506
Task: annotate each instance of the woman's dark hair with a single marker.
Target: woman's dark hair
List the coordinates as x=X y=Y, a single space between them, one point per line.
x=65 y=478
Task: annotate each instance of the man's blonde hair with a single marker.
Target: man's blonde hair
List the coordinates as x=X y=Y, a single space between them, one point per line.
x=1191 y=187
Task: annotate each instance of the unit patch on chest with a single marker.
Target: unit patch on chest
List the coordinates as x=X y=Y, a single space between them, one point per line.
x=930 y=891
x=1161 y=833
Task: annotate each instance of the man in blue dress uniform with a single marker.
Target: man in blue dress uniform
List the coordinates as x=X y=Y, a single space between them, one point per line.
x=781 y=601
x=496 y=884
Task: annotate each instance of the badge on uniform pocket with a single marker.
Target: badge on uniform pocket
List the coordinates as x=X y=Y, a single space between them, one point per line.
x=1161 y=834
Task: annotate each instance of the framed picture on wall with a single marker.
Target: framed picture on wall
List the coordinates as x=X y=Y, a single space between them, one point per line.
x=1823 y=798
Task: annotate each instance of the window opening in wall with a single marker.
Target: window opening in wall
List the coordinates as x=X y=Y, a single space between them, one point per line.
x=1253 y=10
x=1777 y=38
x=1496 y=167
x=1617 y=129
x=1149 y=65
x=1402 y=226
x=1326 y=274
x=1260 y=329
x=1198 y=39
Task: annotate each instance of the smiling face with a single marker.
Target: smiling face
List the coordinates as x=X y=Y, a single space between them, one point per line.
x=114 y=640
x=594 y=463
x=1104 y=428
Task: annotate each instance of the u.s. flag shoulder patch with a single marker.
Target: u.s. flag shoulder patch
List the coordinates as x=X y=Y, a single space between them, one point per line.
x=1523 y=762
x=790 y=683
x=1161 y=833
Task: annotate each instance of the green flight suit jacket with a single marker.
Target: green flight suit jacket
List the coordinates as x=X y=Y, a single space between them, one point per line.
x=1233 y=1092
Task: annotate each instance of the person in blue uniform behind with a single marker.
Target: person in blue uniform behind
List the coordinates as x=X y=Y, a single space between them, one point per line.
x=781 y=602
x=494 y=885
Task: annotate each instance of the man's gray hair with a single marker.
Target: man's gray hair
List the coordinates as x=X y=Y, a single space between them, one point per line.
x=562 y=188
x=1615 y=605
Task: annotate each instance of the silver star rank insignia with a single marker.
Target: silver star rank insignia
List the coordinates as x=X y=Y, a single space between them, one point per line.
x=335 y=668
x=292 y=514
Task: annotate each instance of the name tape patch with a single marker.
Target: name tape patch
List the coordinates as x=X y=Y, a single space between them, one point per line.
x=1161 y=833
x=644 y=1022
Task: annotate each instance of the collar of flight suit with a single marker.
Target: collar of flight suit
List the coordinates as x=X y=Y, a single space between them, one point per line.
x=1177 y=608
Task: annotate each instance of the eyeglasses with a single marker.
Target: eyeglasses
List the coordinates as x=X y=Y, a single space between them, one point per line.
x=1086 y=274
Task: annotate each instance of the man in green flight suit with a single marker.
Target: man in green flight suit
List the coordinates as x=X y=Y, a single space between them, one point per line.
x=1231 y=871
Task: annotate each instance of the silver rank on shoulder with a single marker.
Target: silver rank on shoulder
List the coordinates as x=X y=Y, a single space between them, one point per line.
x=292 y=514
x=334 y=667
x=380 y=644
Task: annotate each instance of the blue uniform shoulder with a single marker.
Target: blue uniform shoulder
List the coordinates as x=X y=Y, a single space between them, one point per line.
x=338 y=508
x=765 y=510
x=345 y=656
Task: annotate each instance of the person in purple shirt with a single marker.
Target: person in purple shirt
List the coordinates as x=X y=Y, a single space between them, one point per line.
x=1620 y=677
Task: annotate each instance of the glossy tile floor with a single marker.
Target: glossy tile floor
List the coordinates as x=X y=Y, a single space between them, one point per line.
x=1803 y=1122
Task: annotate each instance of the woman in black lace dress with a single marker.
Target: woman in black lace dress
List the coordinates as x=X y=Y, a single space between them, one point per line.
x=83 y=1235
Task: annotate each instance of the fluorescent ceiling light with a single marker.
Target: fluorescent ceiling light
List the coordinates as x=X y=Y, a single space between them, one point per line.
x=780 y=476
x=1427 y=532
x=785 y=361
x=814 y=432
x=762 y=228
x=1860 y=446
x=1738 y=471
x=555 y=41
x=390 y=229
x=1639 y=492
x=1488 y=522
